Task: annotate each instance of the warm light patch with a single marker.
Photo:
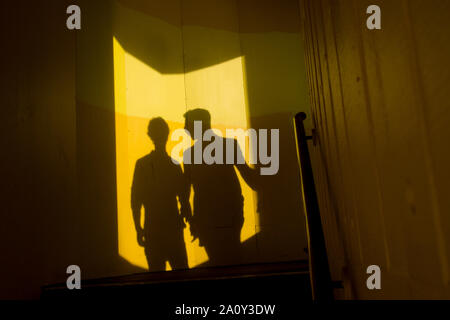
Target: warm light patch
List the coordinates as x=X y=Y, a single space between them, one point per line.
x=141 y=93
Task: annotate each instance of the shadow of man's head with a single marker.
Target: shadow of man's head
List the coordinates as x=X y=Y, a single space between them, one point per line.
x=158 y=131
x=194 y=115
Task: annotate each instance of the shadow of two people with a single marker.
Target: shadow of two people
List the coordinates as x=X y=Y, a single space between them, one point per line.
x=159 y=184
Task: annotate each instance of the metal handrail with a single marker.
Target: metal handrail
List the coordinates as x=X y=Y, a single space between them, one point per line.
x=321 y=284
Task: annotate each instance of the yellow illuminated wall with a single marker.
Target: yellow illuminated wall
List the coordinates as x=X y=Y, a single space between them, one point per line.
x=170 y=57
x=77 y=111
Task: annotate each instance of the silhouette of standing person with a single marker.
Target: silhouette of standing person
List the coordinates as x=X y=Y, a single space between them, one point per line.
x=218 y=212
x=157 y=184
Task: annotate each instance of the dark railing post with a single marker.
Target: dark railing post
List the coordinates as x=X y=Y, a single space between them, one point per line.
x=322 y=287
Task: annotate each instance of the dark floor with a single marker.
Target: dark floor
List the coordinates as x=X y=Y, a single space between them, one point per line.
x=285 y=285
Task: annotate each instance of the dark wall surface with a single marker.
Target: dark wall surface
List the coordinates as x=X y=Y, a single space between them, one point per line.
x=380 y=106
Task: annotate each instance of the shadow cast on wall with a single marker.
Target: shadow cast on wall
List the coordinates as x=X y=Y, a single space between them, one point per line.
x=185 y=42
x=175 y=39
x=159 y=184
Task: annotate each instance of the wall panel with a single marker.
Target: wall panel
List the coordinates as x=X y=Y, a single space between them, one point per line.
x=379 y=111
